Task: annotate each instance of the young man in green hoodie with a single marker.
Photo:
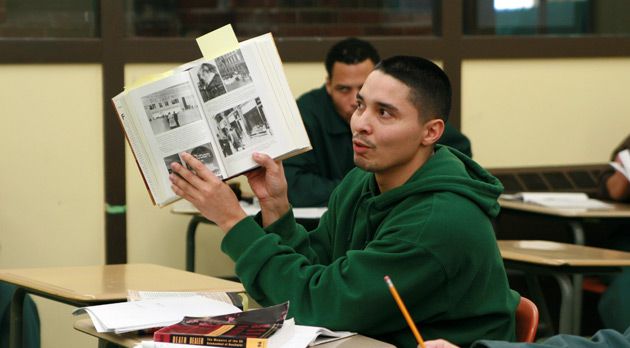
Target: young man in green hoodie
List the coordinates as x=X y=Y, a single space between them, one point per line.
x=412 y=210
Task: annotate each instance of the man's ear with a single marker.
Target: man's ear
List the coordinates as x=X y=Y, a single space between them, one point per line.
x=433 y=130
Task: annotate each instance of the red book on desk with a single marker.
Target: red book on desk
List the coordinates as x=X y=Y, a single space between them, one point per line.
x=243 y=329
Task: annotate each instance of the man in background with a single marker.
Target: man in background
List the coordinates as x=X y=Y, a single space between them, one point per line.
x=326 y=113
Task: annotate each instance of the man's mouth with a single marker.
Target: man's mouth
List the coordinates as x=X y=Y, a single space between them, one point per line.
x=361 y=146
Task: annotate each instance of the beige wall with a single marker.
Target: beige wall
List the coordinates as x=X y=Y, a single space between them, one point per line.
x=51 y=185
x=545 y=112
x=51 y=182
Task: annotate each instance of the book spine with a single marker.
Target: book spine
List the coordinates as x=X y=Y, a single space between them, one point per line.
x=212 y=341
x=134 y=143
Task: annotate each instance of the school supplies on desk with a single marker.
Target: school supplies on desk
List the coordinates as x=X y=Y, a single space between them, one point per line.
x=560 y=200
x=240 y=329
x=146 y=314
x=238 y=299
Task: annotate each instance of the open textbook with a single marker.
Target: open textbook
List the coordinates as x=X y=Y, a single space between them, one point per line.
x=220 y=109
x=623 y=164
x=561 y=200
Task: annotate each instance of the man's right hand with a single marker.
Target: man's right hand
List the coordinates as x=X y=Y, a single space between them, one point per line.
x=270 y=186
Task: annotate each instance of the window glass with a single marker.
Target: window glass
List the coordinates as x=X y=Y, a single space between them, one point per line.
x=48 y=18
x=284 y=18
x=547 y=17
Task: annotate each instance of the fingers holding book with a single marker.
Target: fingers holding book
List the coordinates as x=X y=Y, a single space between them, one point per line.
x=212 y=197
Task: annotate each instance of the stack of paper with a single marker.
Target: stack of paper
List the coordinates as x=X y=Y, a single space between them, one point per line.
x=561 y=200
x=145 y=314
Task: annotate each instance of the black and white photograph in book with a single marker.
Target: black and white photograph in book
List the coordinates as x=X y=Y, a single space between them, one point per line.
x=170 y=159
x=233 y=70
x=171 y=108
x=240 y=127
x=204 y=154
x=208 y=81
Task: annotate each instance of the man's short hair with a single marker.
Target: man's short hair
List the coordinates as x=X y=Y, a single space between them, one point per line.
x=430 y=86
x=350 y=51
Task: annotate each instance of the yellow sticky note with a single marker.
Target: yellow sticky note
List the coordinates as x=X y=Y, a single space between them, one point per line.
x=218 y=42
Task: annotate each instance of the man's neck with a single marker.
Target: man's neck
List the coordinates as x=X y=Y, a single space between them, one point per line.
x=397 y=176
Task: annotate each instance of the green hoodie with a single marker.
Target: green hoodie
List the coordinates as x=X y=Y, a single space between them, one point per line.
x=432 y=236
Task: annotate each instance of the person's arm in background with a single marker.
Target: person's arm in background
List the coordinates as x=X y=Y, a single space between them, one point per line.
x=618 y=187
x=307 y=186
x=454 y=138
x=602 y=338
x=612 y=184
x=313 y=175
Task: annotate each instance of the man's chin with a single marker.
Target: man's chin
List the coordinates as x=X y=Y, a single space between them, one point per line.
x=359 y=163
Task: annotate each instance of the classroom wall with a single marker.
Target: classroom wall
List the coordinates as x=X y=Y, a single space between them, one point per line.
x=51 y=182
x=516 y=112
x=545 y=111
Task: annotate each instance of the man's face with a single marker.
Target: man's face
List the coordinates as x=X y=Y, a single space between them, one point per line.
x=345 y=82
x=387 y=133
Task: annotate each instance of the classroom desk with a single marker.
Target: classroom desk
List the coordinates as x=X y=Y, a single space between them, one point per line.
x=573 y=217
x=186 y=208
x=535 y=257
x=91 y=285
x=129 y=340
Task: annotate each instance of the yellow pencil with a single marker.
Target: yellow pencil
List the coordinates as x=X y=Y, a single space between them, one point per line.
x=404 y=311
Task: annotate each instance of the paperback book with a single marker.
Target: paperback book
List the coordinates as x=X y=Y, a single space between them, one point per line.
x=252 y=328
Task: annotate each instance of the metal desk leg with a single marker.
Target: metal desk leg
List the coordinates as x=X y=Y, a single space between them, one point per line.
x=566 y=304
x=17 y=320
x=579 y=239
x=190 y=242
x=578 y=232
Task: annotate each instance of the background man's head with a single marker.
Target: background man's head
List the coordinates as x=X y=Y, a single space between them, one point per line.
x=348 y=63
x=430 y=88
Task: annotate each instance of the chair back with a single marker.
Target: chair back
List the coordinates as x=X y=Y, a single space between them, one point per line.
x=526 y=320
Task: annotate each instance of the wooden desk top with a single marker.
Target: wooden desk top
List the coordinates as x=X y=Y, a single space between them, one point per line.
x=131 y=339
x=561 y=254
x=619 y=211
x=109 y=283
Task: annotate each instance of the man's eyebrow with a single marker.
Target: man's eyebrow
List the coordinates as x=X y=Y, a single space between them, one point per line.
x=387 y=106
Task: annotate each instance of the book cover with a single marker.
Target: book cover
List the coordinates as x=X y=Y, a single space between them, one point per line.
x=242 y=329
